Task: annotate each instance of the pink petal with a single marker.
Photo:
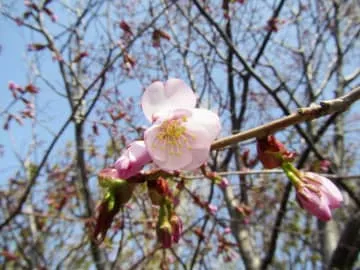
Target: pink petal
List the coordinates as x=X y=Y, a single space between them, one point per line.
x=199 y=145
x=171 y=95
x=176 y=161
x=138 y=151
x=315 y=204
x=155 y=150
x=199 y=157
x=206 y=119
x=328 y=189
x=161 y=116
x=201 y=137
x=122 y=163
x=133 y=159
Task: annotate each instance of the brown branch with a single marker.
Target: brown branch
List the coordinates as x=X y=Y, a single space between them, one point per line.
x=327 y=107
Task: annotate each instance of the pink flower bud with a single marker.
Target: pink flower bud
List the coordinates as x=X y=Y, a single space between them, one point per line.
x=212 y=209
x=318 y=195
x=224 y=183
x=12 y=85
x=177 y=227
x=132 y=160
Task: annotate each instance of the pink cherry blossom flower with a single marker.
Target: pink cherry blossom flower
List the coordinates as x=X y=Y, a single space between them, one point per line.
x=181 y=136
x=318 y=195
x=132 y=160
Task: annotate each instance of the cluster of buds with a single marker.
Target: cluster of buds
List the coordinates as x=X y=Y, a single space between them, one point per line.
x=210 y=208
x=19 y=93
x=315 y=193
x=34 y=7
x=222 y=182
x=29 y=88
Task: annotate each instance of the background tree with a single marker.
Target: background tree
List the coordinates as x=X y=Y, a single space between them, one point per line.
x=76 y=107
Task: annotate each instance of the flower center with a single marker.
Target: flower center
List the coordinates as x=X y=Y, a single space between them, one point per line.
x=173 y=135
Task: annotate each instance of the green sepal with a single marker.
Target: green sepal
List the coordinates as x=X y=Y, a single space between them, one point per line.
x=111 y=182
x=110 y=199
x=292 y=173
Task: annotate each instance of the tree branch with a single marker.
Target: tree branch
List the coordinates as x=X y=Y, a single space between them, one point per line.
x=340 y=104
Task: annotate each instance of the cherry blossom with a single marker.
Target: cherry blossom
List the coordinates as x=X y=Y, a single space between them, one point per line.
x=181 y=135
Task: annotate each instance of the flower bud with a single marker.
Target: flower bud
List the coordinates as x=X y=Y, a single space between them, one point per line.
x=126 y=27
x=132 y=160
x=158 y=190
x=163 y=227
x=315 y=193
x=272 y=153
x=318 y=195
x=212 y=209
x=224 y=183
x=117 y=193
x=164 y=234
x=177 y=227
x=36 y=47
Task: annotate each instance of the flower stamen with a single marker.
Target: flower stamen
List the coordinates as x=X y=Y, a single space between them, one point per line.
x=173 y=134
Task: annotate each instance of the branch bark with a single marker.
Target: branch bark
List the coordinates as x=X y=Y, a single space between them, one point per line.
x=327 y=107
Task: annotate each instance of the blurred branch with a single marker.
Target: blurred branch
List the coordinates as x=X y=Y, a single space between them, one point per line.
x=348 y=247
x=336 y=177
x=241 y=232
